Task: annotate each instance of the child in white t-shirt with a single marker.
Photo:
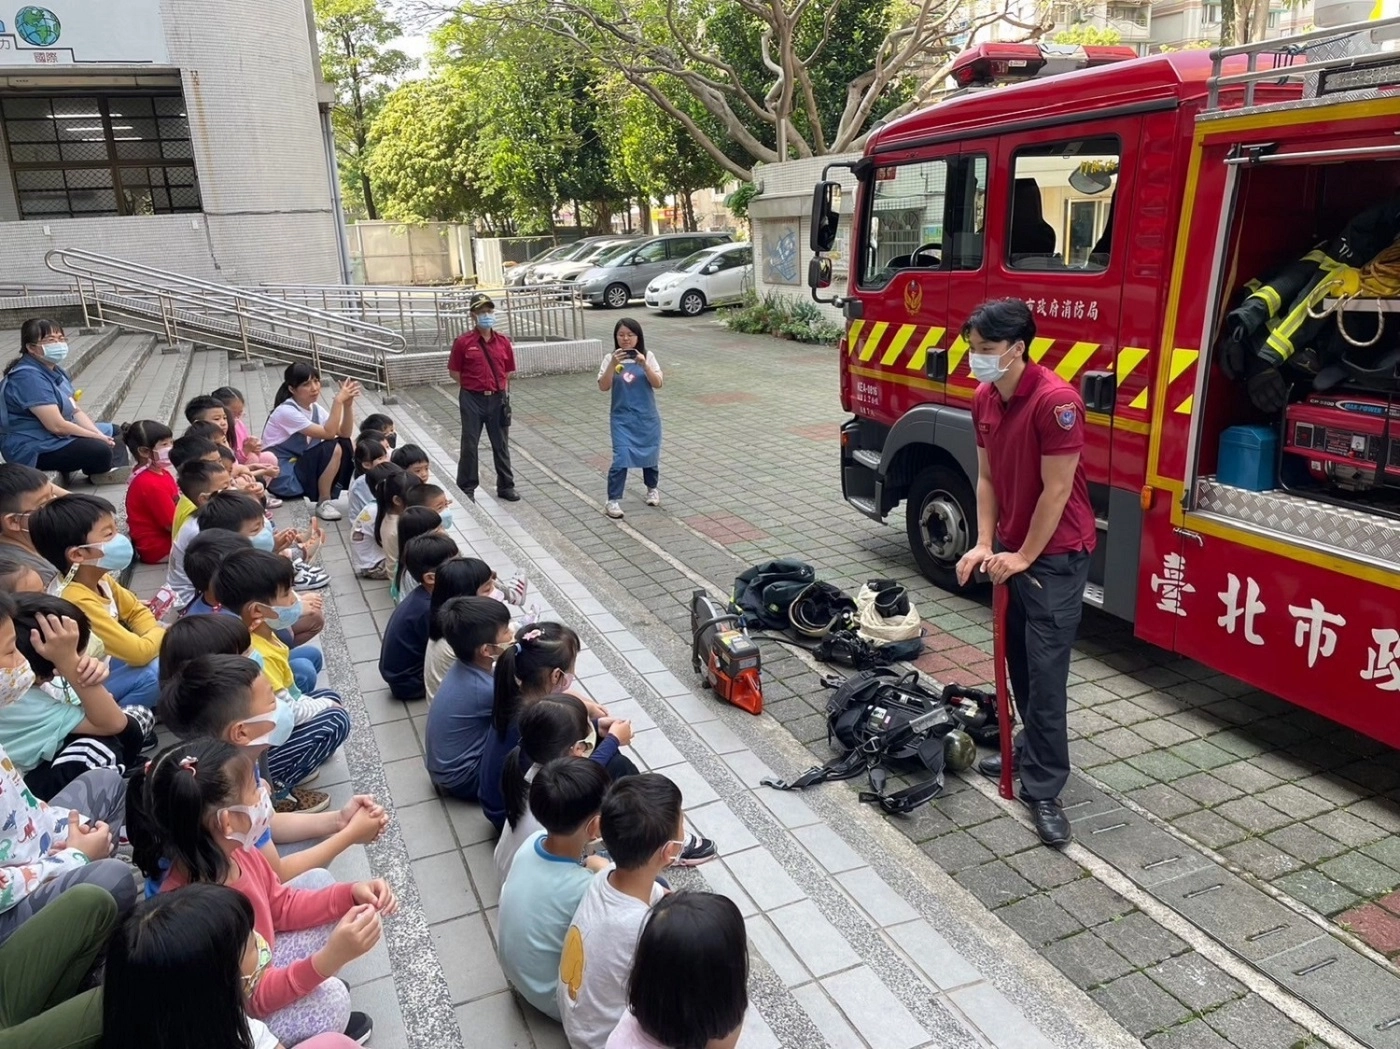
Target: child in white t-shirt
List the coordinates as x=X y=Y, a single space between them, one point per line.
x=549 y=877
x=644 y=831
x=365 y=553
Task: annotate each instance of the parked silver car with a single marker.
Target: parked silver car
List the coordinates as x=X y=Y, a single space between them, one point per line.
x=623 y=274
x=567 y=270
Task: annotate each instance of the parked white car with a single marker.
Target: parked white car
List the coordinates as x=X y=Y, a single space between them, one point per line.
x=709 y=277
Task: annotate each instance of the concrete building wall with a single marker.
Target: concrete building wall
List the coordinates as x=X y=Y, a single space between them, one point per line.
x=248 y=73
x=780 y=218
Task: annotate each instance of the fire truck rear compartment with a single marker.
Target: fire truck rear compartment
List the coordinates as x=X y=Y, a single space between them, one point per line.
x=1336 y=476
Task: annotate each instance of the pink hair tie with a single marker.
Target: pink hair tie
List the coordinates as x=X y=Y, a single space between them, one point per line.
x=533 y=635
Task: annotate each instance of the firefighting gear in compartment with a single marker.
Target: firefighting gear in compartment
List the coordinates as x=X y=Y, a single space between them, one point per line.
x=1281 y=321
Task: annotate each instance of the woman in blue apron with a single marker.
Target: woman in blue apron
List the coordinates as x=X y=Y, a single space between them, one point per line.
x=633 y=375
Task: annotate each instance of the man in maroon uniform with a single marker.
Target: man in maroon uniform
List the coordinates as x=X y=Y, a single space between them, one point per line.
x=1035 y=534
x=482 y=363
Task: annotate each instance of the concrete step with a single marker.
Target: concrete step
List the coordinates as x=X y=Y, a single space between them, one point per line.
x=155 y=391
x=207 y=372
x=106 y=379
x=87 y=347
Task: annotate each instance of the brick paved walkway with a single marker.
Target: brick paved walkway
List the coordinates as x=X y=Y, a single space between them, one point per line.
x=1226 y=839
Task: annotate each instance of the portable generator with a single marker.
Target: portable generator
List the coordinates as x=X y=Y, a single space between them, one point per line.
x=1343 y=436
x=722 y=651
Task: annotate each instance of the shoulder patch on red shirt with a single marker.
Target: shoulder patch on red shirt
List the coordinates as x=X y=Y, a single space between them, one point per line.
x=1066 y=415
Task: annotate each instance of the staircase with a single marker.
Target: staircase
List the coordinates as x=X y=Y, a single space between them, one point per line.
x=246 y=323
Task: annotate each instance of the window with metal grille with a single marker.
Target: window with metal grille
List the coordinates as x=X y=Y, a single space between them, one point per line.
x=77 y=156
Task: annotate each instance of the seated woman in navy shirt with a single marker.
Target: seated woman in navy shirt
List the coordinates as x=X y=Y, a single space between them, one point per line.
x=41 y=424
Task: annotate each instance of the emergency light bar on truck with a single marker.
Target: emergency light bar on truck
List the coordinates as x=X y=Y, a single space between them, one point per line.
x=989 y=64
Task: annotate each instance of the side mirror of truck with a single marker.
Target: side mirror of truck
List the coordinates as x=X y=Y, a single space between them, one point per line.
x=826 y=215
x=819 y=274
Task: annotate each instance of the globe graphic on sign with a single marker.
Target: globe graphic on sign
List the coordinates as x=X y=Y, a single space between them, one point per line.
x=37 y=26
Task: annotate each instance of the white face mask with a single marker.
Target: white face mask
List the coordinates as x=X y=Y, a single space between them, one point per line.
x=14 y=683
x=259 y=817
x=988 y=367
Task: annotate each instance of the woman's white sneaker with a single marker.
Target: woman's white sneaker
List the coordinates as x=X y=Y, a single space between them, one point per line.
x=614 y=510
x=653 y=497
x=327 y=511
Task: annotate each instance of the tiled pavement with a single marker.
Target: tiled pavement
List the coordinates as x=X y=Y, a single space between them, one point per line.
x=1283 y=819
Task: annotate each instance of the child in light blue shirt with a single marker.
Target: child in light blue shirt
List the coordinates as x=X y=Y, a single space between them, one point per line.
x=549 y=877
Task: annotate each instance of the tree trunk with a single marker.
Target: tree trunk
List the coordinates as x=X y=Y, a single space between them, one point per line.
x=690 y=224
x=371 y=212
x=1227 y=23
x=644 y=206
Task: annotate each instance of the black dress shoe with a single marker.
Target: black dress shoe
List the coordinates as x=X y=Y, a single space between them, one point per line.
x=991 y=766
x=1050 y=820
x=510 y=495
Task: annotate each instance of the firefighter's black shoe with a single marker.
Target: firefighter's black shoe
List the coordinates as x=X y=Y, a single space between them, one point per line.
x=991 y=767
x=1050 y=820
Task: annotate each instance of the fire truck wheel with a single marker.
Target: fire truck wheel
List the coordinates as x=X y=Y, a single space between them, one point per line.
x=941 y=516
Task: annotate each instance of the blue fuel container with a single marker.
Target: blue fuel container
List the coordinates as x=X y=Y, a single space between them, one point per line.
x=1249 y=458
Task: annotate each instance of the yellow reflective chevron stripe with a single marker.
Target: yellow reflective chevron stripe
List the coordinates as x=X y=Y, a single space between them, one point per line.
x=853 y=335
x=1128 y=359
x=1181 y=361
x=1075 y=359
x=872 y=341
x=1039 y=347
x=956 y=352
x=897 y=344
x=919 y=360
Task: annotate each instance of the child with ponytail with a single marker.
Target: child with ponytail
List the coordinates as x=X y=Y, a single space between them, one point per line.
x=206 y=812
x=539 y=664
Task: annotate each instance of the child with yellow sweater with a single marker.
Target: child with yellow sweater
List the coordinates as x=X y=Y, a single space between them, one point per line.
x=78 y=535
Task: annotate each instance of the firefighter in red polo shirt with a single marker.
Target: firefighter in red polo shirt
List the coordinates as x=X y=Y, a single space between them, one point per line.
x=482 y=363
x=1035 y=534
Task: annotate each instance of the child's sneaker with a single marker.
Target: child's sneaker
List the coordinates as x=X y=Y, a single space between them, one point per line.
x=327 y=511
x=515 y=589
x=309 y=577
x=162 y=603
x=697 y=850
x=302 y=800
x=359 y=1028
x=379 y=571
x=271 y=501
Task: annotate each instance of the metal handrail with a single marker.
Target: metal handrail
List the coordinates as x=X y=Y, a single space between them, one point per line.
x=437 y=315
x=1285 y=47
x=260 y=324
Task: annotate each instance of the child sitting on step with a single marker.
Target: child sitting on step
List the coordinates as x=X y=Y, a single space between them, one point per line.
x=152 y=493
x=207 y=812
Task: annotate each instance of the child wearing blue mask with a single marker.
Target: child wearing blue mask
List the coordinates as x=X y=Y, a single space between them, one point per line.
x=213 y=688
x=78 y=535
x=256 y=586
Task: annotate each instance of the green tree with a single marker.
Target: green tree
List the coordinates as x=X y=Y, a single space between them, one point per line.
x=424 y=157
x=1084 y=33
x=357 y=61
x=775 y=78
x=655 y=155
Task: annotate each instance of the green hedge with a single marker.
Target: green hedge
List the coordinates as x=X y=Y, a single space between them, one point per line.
x=782 y=317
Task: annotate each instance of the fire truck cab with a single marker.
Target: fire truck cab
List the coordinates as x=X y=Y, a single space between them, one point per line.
x=1135 y=204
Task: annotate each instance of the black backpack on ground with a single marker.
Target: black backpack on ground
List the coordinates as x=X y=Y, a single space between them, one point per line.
x=764 y=593
x=887 y=722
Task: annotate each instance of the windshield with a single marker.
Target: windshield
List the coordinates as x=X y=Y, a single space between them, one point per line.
x=551 y=254
x=612 y=254
x=695 y=260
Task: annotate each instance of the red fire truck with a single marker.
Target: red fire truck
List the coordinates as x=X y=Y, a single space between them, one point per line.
x=1133 y=203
